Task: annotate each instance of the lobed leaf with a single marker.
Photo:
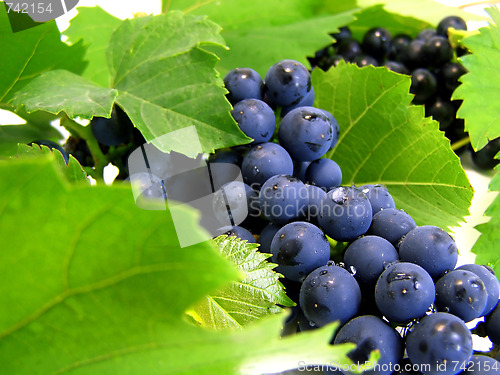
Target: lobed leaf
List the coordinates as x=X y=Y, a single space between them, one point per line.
x=384 y=139
x=242 y=302
x=481 y=116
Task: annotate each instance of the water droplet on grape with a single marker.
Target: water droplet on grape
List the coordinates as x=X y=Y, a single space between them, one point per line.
x=416 y=284
x=324 y=272
x=352 y=270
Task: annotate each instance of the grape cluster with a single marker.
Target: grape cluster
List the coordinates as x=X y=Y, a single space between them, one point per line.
x=394 y=286
x=429 y=59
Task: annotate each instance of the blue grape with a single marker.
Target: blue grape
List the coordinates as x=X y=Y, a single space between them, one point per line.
x=324 y=173
x=264 y=161
x=242 y=233
x=369 y=255
x=307 y=100
x=328 y=294
x=440 y=341
x=490 y=282
x=335 y=127
x=112 y=131
x=233 y=200
x=461 y=293
x=404 y=291
x=430 y=247
x=306 y=133
x=346 y=213
x=482 y=365
x=371 y=333
x=255 y=118
x=243 y=83
x=391 y=224
x=266 y=237
x=316 y=197
x=299 y=169
x=287 y=83
x=379 y=197
x=298 y=248
x=492 y=325
x=283 y=198
x=226 y=156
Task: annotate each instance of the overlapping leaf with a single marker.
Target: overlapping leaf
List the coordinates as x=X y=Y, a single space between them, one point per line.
x=385 y=140
x=91 y=284
x=261 y=33
x=28 y=53
x=245 y=301
x=480 y=86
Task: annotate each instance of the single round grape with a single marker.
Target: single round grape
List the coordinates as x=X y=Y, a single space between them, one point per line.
x=399 y=43
x=461 y=293
x=369 y=255
x=438 y=50
x=255 y=118
x=423 y=85
x=482 y=365
x=377 y=42
x=298 y=248
x=431 y=248
x=343 y=33
x=450 y=73
x=243 y=83
x=266 y=237
x=490 y=282
x=232 y=201
x=241 y=233
x=451 y=21
x=485 y=157
x=283 y=198
x=328 y=294
x=112 y=131
x=316 y=197
x=263 y=161
x=492 y=325
x=349 y=48
x=404 y=291
x=413 y=55
x=226 y=156
x=371 y=333
x=365 y=60
x=287 y=83
x=379 y=197
x=392 y=224
x=396 y=67
x=346 y=213
x=324 y=173
x=426 y=34
x=441 y=341
x=299 y=169
x=306 y=133
x=442 y=111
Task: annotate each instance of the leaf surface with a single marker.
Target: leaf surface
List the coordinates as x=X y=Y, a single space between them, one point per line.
x=383 y=139
x=249 y=299
x=480 y=85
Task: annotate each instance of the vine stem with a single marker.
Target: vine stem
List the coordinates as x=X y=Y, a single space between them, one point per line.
x=84 y=132
x=463 y=142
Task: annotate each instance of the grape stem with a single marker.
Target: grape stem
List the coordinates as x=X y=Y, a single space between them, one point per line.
x=84 y=132
x=458 y=144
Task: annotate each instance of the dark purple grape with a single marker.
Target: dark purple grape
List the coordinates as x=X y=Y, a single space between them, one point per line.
x=450 y=73
x=485 y=158
x=438 y=51
x=349 y=48
x=399 y=43
x=426 y=34
x=452 y=21
x=397 y=67
x=413 y=55
x=365 y=60
x=442 y=111
x=377 y=43
x=423 y=85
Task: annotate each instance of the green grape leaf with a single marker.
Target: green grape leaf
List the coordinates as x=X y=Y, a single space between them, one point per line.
x=28 y=53
x=94 y=26
x=261 y=33
x=482 y=81
x=429 y=11
x=166 y=81
x=383 y=139
x=92 y=284
x=61 y=90
x=73 y=171
x=377 y=16
x=11 y=135
x=245 y=301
